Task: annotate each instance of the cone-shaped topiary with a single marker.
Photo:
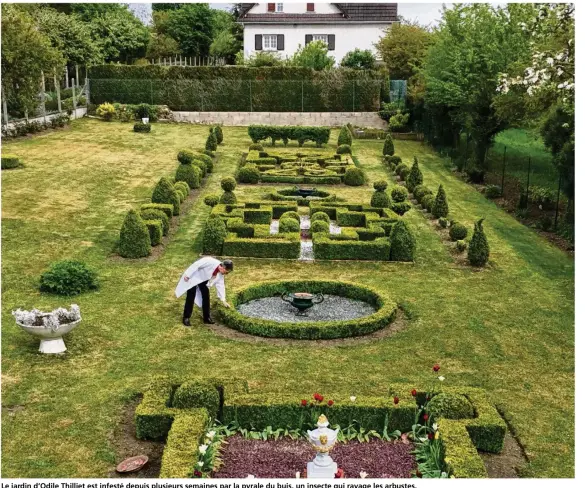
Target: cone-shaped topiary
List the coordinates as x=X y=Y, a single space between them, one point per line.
x=214 y=233
x=218 y=134
x=211 y=143
x=380 y=198
x=228 y=185
x=402 y=243
x=134 y=237
x=415 y=176
x=388 y=146
x=190 y=174
x=440 y=206
x=479 y=249
x=345 y=137
x=164 y=192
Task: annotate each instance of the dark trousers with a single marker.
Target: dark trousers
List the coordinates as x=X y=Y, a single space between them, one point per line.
x=190 y=301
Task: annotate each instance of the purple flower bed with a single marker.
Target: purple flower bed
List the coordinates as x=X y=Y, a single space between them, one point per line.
x=284 y=457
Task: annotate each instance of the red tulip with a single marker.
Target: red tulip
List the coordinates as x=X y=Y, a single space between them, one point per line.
x=330 y=403
x=317 y=397
x=197 y=474
x=413 y=392
x=431 y=436
x=436 y=368
x=396 y=400
x=425 y=417
x=304 y=403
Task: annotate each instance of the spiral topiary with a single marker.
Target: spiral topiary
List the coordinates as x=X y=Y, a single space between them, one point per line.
x=134 y=237
x=399 y=194
x=214 y=233
x=288 y=225
x=457 y=231
x=415 y=177
x=440 y=206
x=354 y=177
x=402 y=242
x=345 y=137
x=388 y=146
x=319 y=226
x=164 y=192
x=479 y=249
x=322 y=216
x=190 y=174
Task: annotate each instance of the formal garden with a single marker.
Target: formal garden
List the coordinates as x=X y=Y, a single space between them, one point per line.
x=404 y=306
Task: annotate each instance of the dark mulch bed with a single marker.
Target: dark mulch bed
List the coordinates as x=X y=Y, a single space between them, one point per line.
x=284 y=457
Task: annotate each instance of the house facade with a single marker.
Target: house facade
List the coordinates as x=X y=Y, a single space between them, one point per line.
x=283 y=27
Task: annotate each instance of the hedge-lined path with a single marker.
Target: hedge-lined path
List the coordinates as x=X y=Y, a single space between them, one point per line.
x=509 y=329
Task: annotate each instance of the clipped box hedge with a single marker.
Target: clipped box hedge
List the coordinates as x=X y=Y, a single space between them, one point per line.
x=261 y=215
x=385 y=314
x=301 y=134
x=285 y=246
x=325 y=247
x=9 y=161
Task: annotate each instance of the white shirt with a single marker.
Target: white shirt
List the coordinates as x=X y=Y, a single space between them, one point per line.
x=200 y=271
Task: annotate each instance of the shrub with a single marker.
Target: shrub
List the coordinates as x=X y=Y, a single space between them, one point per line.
x=208 y=160
x=420 y=192
x=399 y=194
x=354 y=177
x=415 y=176
x=452 y=406
x=457 y=231
x=134 y=237
x=476 y=175
x=380 y=185
x=288 y=225
x=228 y=183
x=218 y=134
x=388 y=146
x=249 y=174
x=166 y=208
x=145 y=110
x=228 y=197
x=440 y=206
x=322 y=216
x=198 y=163
x=319 y=226
x=153 y=214
x=190 y=174
x=380 y=199
x=211 y=143
x=344 y=149
x=402 y=243
x=140 y=127
x=541 y=196
x=214 y=233
x=211 y=200
x=493 y=191
x=427 y=202
x=68 y=278
x=255 y=147
x=479 y=249
x=443 y=222
x=395 y=160
x=400 y=207
x=182 y=189
x=164 y=192
x=461 y=246
x=291 y=214
x=209 y=152
x=154 y=231
x=302 y=134
x=10 y=161
x=185 y=156
x=198 y=394
x=345 y=138
x=545 y=223
x=106 y=111
x=403 y=171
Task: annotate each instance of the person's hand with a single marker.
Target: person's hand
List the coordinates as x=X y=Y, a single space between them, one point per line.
x=186 y=278
x=227 y=305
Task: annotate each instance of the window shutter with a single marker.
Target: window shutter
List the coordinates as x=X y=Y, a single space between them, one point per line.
x=258 y=39
x=331 y=42
x=310 y=7
x=271 y=7
x=280 y=42
x=308 y=38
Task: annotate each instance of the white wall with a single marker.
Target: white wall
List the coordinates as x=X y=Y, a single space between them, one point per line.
x=295 y=8
x=347 y=36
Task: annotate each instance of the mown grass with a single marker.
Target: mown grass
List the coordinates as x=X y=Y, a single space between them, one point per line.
x=509 y=328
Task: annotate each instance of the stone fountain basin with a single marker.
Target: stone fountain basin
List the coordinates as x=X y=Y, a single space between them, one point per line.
x=51 y=340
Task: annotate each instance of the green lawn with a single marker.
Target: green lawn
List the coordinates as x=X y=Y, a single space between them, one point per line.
x=509 y=328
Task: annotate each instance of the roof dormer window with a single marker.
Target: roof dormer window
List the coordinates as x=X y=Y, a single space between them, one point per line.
x=271 y=7
x=310 y=7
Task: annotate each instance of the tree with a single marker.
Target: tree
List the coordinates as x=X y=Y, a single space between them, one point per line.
x=479 y=249
x=165 y=7
x=388 y=149
x=90 y=11
x=313 y=55
x=21 y=73
x=440 y=206
x=415 y=177
x=192 y=27
x=359 y=59
x=225 y=45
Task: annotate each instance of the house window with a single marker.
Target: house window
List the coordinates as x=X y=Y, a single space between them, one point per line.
x=269 y=42
x=271 y=7
x=310 y=7
x=320 y=37
x=280 y=7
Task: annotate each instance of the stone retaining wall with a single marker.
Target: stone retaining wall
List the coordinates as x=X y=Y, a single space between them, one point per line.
x=333 y=119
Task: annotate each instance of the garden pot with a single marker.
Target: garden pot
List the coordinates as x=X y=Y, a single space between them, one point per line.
x=302 y=301
x=51 y=340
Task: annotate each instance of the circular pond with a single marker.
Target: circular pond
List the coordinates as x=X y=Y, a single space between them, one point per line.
x=308 y=310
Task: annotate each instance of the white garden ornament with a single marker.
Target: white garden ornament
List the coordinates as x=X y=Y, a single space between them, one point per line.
x=50 y=327
x=323 y=440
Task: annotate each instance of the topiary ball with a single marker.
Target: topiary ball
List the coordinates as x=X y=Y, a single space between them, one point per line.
x=208 y=160
x=185 y=156
x=214 y=233
x=380 y=199
x=291 y=214
x=198 y=394
x=288 y=225
x=228 y=198
x=140 y=127
x=420 y=191
x=380 y=185
x=450 y=406
x=322 y=216
x=68 y=278
x=249 y=174
x=211 y=200
x=319 y=226
x=427 y=202
x=400 y=207
x=134 y=236
x=399 y=194
x=228 y=183
x=395 y=160
x=256 y=147
x=190 y=174
x=198 y=163
x=457 y=231
x=354 y=177
x=344 y=149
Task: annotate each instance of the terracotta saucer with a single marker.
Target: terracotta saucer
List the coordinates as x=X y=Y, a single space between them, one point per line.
x=132 y=464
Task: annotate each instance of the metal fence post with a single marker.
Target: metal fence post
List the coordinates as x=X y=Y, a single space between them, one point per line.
x=86 y=91
x=74 y=100
x=558 y=198
x=504 y=170
x=4 y=108
x=353 y=101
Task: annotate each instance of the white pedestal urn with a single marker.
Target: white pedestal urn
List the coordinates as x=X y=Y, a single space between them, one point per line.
x=323 y=440
x=49 y=327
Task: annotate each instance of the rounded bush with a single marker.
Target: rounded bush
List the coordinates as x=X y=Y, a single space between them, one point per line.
x=198 y=394
x=291 y=214
x=208 y=160
x=180 y=192
x=380 y=185
x=211 y=200
x=184 y=185
x=154 y=214
x=420 y=191
x=228 y=183
x=320 y=216
x=400 y=207
x=185 y=156
x=388 y=146
x=68 y=278
x=345 y=138
x=461 y=246
x=289 y=225
x=403 y=171
x=450 y=406
x=249 y=174
x=255 y=147
x=457 y=231
x=140 y=127
x=395 y=160
x=440 y=205
x=354 y=177
x=344 y=149
x=214 y=233
x=228 y=198
x=134 y=236
x=493 y=191
x=218 y=134
x=427 y=202
x=319 y=226
x=479 y=249
x=380 y=199
x=399 y=194
x=190 y=174
x=106 y=111
x=476 y=175
x=402 y=242
x=443 y=222
x=164 y=192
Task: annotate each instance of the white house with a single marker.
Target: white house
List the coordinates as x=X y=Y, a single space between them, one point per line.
x=283 y=27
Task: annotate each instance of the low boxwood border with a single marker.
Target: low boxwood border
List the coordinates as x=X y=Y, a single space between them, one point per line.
x=385 y=314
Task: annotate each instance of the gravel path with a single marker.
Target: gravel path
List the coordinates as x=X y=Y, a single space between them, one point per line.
x=333 y=308
x=305 y=222
x=274 y=227
x=307 y=253
x=284 y=458
x=334 y=228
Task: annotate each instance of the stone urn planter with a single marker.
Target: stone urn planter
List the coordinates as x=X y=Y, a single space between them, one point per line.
x=49 y=327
